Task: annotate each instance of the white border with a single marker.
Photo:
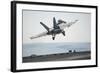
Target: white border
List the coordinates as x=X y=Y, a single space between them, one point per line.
x=35 y=65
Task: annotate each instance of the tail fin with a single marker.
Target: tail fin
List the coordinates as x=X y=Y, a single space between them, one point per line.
x=54 y=22
x=46 y=27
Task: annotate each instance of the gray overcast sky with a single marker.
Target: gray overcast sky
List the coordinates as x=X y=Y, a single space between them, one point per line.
x=78 y=32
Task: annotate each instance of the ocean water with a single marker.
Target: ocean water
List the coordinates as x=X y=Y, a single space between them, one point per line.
x=53 y=48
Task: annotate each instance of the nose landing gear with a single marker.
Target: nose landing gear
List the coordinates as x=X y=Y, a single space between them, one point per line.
x=53 y=36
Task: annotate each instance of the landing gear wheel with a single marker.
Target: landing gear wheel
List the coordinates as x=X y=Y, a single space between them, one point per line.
x=53 y=38
x=63 y=33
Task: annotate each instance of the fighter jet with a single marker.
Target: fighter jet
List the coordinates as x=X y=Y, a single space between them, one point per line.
x=58 y=27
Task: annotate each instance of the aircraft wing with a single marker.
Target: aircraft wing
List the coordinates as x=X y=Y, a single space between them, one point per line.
x=63 y=26
x=39 y=35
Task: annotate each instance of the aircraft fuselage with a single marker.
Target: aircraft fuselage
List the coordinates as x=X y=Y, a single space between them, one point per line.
x=54 y=31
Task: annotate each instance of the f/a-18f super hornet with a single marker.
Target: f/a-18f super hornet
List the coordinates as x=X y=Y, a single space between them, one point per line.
x=58 y=27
